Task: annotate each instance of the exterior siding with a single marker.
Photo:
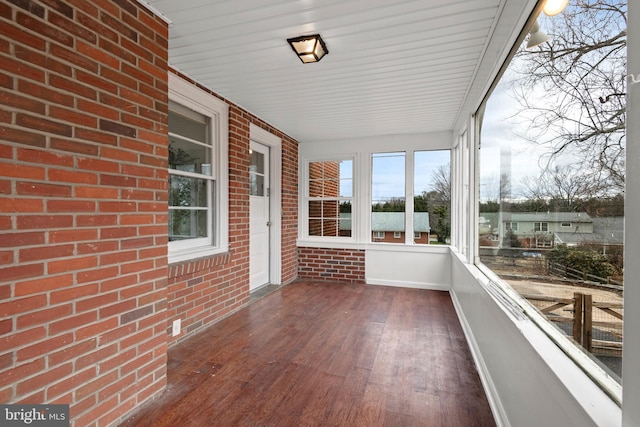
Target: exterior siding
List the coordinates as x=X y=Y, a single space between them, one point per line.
x=83 y=215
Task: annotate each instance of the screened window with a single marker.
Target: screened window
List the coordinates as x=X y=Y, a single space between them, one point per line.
x=329 y=198
x=432 y=196
x=552 y=156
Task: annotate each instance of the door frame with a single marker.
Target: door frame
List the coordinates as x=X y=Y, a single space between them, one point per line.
x=274 y=143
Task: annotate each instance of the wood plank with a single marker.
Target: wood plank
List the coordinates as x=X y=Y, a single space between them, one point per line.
x=317 y=354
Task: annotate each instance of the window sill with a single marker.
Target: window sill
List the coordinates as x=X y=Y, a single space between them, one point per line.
x=192 y=254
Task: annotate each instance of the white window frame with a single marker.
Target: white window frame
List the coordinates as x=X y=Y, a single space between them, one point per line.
x=540 y=227
x=217 y=111
x=304 y=203
x=377 y=234
x=565 y=224
x=417 y=235
x=511 y=225
x=397 y=234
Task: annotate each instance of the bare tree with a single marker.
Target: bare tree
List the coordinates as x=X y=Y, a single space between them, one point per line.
x=441 y=181
x=565 y=185
x=573 y=87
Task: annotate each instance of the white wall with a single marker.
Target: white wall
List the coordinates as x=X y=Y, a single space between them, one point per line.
x=409 y=266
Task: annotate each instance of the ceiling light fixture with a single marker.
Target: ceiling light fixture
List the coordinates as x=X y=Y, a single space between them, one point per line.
x=554 y=7
x=536 y=36
x=309 y=48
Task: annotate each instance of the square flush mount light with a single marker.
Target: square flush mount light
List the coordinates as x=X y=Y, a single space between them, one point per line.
x=309 y=48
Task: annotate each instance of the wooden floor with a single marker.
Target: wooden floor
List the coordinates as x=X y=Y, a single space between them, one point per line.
x=325 y=354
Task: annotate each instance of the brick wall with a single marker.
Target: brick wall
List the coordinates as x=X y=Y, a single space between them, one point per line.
x=205 y=290
x=83 y=208
x=342 y=265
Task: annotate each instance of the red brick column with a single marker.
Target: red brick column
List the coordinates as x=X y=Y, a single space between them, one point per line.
x=83 y=206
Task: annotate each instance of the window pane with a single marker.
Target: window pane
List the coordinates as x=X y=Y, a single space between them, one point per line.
x=315 y=227
x=188 y=123
x=185 y=191
x=432 y=196
x=187 y=224
x=256 y=184
x=189 y=157
x=387 y=193
x=331 y=188
x=552 y=177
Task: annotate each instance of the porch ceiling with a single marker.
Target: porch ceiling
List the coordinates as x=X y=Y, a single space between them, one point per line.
x=394 y=67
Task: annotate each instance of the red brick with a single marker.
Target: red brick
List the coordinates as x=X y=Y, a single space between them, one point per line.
x=44 y=157
x=73 y=323
x=13 y=240
x=74 y=146
x=78 y=263
x=6 y=257
x=21 y=338
x=45 y=252
x=44 y=347
x=96 y=329
x=40 y=189
x=15 y=170
x=96 y=193
x=75 y=235
x=43 y=284
x=70 y=206
x=71 y=383
x=9 y=274
x=72 y=116
x=18 y=101
x=71 y=352
x=24 y=370
x=96 y=220
x=44 y=378
x=72 y=176
x=98 y=165
x=22 y=137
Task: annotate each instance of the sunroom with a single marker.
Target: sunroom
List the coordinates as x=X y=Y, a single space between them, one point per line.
x=164 y=164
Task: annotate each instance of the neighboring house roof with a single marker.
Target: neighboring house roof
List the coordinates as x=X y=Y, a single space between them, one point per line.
x=545 y=217
x=390 y=221
x=573 y=238
x=609 y=229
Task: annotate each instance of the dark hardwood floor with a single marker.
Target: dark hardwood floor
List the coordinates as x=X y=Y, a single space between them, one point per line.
x=326 y=354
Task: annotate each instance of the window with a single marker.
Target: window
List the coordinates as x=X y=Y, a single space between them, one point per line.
x=329 y=198
x=387 y=193
x=397 y=234
x=513 y=226
x=378 y=234
x=540 y=226
x=432 y=195
x=197 y=157
x=552 y=156
x=417 y=235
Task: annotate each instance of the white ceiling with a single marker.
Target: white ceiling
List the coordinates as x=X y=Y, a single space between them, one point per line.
x=394 y=66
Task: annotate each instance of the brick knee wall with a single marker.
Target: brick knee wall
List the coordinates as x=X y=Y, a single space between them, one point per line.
x=343 y=265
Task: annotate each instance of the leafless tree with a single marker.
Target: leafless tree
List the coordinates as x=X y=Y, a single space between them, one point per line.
x=441 y=181
x=573 y=87
x=565 y=185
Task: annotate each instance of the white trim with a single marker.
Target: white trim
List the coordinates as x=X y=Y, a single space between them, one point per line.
x=405 y=284
x=259 y=135
x=189 y=95
x=155 y=11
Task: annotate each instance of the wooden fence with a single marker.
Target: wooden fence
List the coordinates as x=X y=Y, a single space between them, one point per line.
x=572 y=273
x=581 y=308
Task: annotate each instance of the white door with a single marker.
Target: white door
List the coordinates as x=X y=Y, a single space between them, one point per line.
x=259 y=212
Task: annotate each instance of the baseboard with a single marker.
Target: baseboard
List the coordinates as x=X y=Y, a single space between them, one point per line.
x=405 y=284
